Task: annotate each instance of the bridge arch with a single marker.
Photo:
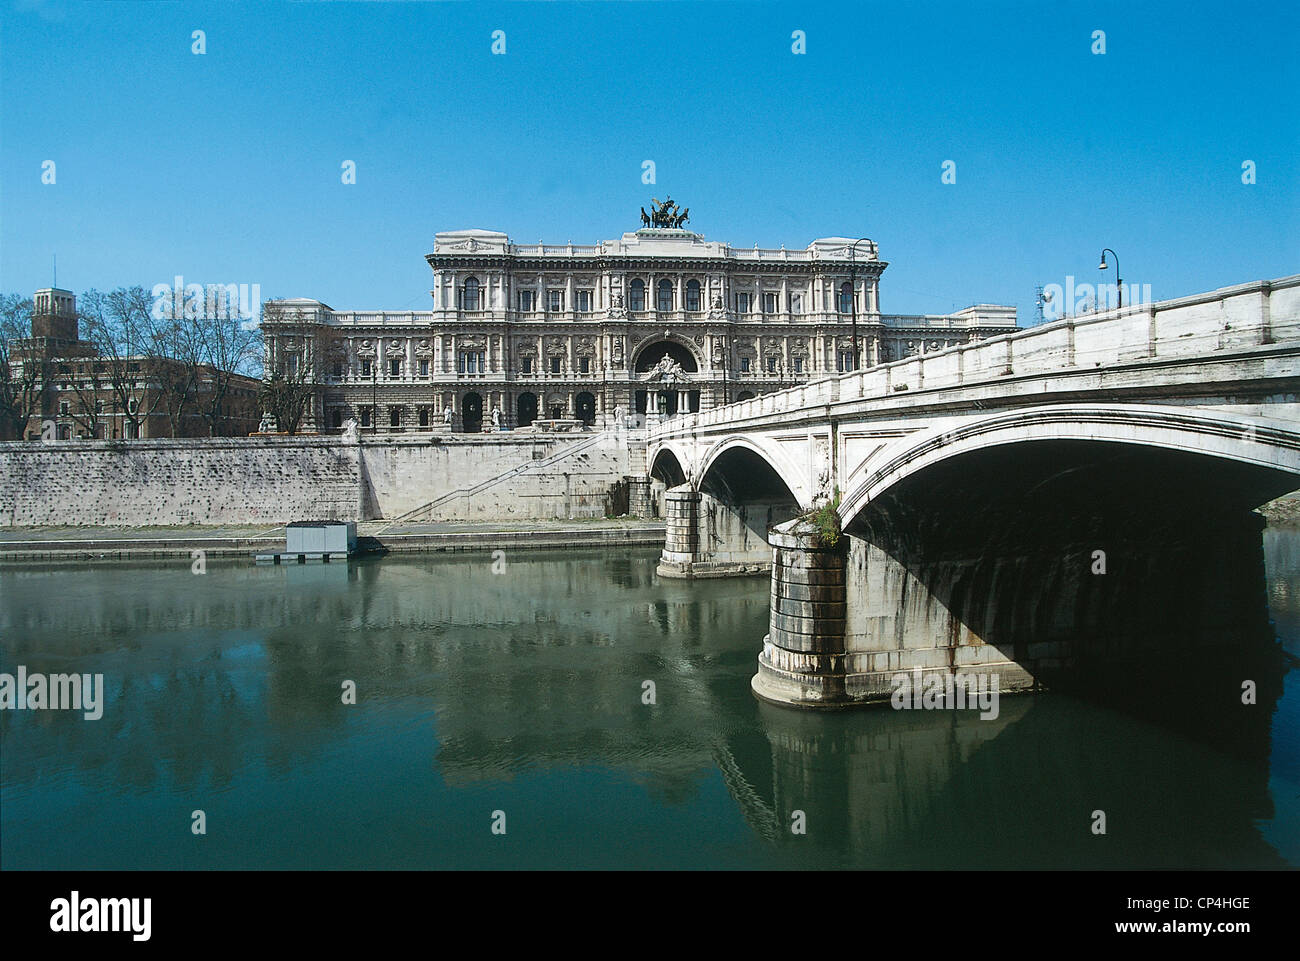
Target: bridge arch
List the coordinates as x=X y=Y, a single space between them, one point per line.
x=726 y=453
x=1267 y=449
x=667 y=467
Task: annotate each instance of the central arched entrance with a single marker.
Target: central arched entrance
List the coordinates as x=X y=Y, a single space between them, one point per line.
x=471 y=410
x=649 y=357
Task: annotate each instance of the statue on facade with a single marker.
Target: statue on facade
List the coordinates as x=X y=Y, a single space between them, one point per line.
x=666 y=213
x=645 y=218
x=447 y=415
x=667 y=371
x=496 y=418
x=351 y=430
x=269 y=424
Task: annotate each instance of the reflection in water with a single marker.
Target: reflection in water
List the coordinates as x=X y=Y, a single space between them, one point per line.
x=523 y=692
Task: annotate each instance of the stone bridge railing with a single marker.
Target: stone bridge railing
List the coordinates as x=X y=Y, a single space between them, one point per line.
x=1224 y=320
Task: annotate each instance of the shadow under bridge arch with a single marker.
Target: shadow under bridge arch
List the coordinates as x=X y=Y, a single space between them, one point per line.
x=742 y=496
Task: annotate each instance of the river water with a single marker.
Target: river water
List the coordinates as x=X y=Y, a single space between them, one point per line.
x=517 y=699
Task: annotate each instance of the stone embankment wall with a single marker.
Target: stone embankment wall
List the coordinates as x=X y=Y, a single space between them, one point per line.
x=495 y=476
x=273 y=480
x=167 y=482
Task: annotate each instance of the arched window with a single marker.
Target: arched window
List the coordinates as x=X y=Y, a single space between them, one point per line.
x=636 y=295
x=846 y=298
x=665 y=299
x=692 y=295
x=471 y=294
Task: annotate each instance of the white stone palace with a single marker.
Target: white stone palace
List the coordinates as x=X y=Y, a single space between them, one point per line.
x=658 y=322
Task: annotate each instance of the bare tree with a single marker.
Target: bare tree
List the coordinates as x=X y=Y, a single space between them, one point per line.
x=131 y=344
x=228 y=346
x=293 y=373
x=24 y=375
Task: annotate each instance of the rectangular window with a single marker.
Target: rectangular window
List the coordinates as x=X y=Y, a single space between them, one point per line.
x=394 y=417
x=424 y=417
x=744 y=365
x=771 y=365
x=338 y=369
x=742 y=303
x=395 y=368
x=526 y=365
x=796 y=303
x=291 y=364
x=336 y=417
x=584 y=301
x=769 y=302
x=555 y=301
x=365 y=368
x=471 y=362
x=584 y=365
x=424 y=367
x=527 y=300
x=844 y=360
x=798 y=365
x=63 y=408
x=99 y=407
x=365 y=416
x=555 y=365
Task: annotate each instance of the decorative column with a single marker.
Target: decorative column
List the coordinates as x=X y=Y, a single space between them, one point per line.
x=682 y=531
x=803 y=663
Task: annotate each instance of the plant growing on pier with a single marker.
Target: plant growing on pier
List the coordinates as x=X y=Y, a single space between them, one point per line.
x=826 y=519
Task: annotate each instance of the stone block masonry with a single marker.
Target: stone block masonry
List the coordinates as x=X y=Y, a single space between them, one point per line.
x=274 y=480
x=174 y=482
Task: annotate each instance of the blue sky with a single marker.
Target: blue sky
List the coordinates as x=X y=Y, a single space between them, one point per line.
x=225 y=167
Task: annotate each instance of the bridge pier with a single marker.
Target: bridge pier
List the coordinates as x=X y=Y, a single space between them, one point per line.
x=682 y=531
x=803 y=659
x=710 y=535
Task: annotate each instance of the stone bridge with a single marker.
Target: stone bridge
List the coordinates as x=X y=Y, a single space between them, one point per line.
x=1043 y=507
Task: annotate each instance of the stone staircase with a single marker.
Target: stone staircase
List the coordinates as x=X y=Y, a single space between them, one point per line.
x=431 y=510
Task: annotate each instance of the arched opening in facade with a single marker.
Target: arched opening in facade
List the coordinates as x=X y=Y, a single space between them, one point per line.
x=470 y=301
x=526 y=409
x=585 y=408
x=692 y=295
x=652 y=353
x=636 y=295
x=745 y=395
x=471 y=413
x=664 y=296
x=846 y=298
x=668 y=401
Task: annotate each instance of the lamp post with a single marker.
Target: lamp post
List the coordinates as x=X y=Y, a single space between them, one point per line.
x=1119 y=284
x=853 y=294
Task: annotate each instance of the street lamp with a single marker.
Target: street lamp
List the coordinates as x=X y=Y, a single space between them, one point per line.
x=1119 y=284
x=853 y=294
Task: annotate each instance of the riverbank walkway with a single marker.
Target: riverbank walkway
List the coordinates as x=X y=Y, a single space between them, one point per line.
x=381 y=536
